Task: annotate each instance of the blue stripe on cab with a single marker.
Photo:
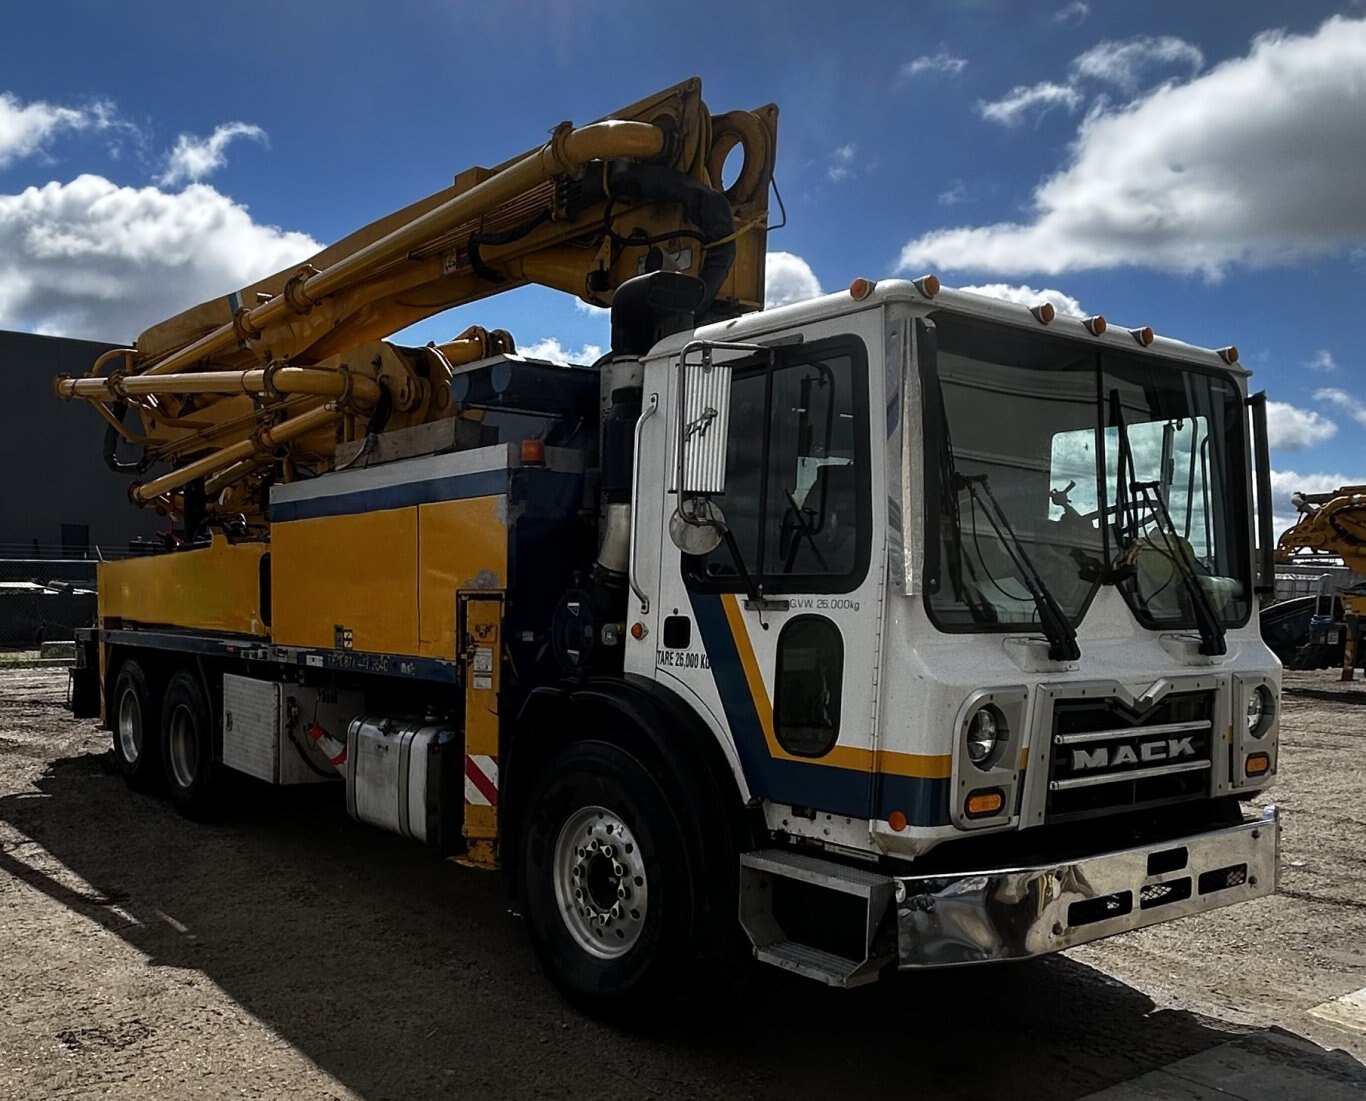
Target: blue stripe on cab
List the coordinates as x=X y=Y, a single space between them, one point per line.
x=825 y=787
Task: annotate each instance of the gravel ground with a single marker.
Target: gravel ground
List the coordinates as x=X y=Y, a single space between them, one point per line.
x=291 y=952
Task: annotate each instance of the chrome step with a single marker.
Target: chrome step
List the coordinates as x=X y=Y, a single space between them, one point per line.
x=813 y=963
x=773 y=944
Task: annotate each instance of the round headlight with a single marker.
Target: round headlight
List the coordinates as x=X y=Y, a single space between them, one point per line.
x=1260 y=709
x=986 y=730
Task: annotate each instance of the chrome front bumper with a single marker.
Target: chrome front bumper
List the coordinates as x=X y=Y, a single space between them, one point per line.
x=981 y=917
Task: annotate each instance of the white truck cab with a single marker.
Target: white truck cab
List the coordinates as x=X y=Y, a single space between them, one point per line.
x=966 y=591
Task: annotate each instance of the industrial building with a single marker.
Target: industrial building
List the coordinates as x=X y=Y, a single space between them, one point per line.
x=61 y=507
x=69 y=503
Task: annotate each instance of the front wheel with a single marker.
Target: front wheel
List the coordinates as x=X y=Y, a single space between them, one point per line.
x=604 y=878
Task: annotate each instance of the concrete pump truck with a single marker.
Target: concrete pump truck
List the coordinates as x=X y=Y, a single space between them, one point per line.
x=899 y=628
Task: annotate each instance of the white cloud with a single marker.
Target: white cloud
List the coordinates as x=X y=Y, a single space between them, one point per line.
x=788 y=278
x=1030 y=101
x=1255 y=163
x=552 y=349
x=1028 y=296
x=92 y=259
x=842 y=162
x=26 y=128
x=942 y=62
x=194 y=158
x=1290 y=428
x=1123 y=63
x=954 y=194
x=1070 y=15
x=1344 y=401
x=1322 y=360
x=590 y=309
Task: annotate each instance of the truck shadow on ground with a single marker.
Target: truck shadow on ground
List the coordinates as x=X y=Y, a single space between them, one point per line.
x=403 y=975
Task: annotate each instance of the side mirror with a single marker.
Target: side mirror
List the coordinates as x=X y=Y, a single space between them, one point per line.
x=697 y=525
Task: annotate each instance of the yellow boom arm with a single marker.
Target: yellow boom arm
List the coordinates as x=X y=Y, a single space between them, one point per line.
x=244 y=389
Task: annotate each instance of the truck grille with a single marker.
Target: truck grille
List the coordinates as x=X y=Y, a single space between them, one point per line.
x=1105 y=757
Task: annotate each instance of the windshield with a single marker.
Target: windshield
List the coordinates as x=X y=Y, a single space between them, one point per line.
x=1081 y=449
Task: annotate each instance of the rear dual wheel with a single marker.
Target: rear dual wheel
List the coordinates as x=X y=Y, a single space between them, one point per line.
x=188 y=753
x=136 y=727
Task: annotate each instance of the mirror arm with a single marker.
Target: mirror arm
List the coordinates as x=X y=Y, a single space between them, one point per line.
x=1266 y=543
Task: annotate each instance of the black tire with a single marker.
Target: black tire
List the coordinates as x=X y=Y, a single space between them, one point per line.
x=134 y=720
x=580 y=780
x=192 y=773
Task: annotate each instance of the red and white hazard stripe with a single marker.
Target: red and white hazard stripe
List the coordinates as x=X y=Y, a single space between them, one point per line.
x=481 y=780
x=335 y=750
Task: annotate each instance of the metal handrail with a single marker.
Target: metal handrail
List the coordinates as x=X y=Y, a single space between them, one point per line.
x=650 y=410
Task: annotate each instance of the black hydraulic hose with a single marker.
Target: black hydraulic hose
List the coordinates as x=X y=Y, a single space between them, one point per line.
x=111 y=445
x=505 y=237
x=705 y=207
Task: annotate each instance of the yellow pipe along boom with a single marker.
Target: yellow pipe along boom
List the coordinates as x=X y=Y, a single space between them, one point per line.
x=214 y=390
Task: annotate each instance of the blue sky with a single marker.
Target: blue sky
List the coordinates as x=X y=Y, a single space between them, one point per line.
x=1198 y=167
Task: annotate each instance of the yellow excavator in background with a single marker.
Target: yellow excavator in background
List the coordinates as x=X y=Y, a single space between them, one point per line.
x=262 y=385
x=1331 y=526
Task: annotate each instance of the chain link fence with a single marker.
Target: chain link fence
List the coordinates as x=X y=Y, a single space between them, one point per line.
x=44 y=599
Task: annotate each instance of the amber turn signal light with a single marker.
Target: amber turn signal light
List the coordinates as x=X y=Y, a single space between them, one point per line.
x=533 y=452
x=980 y=804
x=897 y=820
x=1257 y=764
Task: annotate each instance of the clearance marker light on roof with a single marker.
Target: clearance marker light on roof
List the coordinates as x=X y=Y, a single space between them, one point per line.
x=1229 y=354
x=1043 y=312
x=1144 y=335
x=861 y=288
x=1095 y=325
x=928 y=285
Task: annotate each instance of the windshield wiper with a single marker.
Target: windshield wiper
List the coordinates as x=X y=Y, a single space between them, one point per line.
x=1207 y=620
x=1062 y=636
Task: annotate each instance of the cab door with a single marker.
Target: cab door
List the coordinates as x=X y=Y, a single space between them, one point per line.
x=775 y=631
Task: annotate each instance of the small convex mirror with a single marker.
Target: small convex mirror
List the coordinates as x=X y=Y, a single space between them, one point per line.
x=697 y=527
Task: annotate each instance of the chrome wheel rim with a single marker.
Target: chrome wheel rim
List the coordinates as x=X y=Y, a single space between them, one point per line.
x=184 y=747
x=600 y=882
x=130 y=726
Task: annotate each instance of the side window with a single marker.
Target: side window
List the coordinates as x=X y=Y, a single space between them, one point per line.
x=796 y=496
x=806 y=713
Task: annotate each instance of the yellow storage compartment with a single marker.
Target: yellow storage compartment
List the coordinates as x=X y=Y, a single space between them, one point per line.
x=347 y=582
x=213 y=588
